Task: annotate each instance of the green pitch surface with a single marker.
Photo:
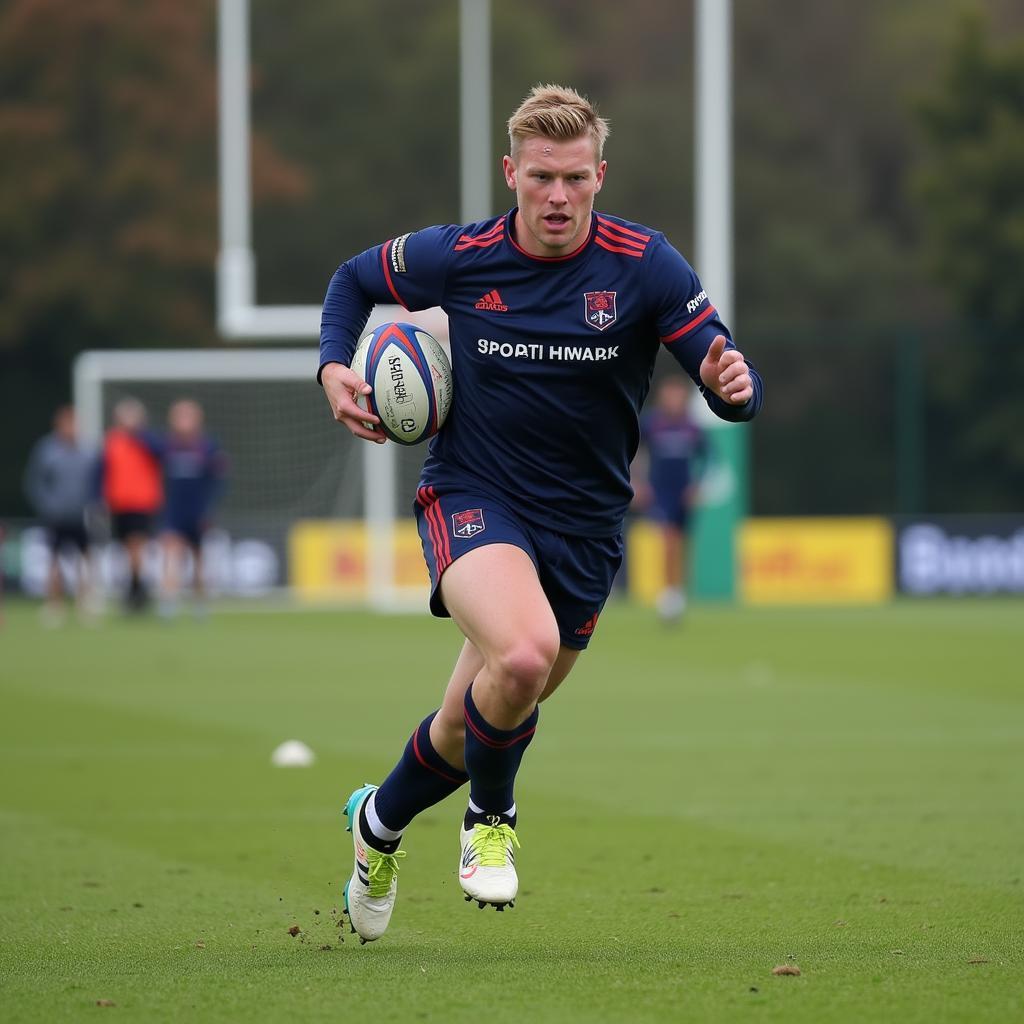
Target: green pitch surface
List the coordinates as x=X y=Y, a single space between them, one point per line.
x=842 y=791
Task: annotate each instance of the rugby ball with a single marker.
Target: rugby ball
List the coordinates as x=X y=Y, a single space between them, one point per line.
x=411 y=381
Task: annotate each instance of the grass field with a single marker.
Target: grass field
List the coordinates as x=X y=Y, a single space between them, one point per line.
x=840 y=790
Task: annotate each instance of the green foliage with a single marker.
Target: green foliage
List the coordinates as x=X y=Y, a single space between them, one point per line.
x=969 y=188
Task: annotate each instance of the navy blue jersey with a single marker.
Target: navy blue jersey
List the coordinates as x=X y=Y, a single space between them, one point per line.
x=552 y=356
x=676 y=451
x=193 y=477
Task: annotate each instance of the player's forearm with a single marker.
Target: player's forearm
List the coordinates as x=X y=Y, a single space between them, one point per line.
x=347 y=307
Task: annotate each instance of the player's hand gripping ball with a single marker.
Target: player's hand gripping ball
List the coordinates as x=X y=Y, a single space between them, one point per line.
x=410 y=378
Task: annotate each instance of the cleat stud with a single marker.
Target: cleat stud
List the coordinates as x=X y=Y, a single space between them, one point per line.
x=469 y=899
x=499 y=907
x=481 y=904
x=353 y=931
x=511 y=904
x=362 y=941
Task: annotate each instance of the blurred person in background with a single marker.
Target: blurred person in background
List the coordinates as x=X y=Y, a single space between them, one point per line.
x=194 y=469
x=59 y=482
x=676 y=456
x=132 y=488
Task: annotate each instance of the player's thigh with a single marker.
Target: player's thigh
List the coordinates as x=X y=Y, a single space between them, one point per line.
x=494 y=595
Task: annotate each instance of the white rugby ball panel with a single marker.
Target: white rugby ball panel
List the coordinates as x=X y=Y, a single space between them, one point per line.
x=411 y=378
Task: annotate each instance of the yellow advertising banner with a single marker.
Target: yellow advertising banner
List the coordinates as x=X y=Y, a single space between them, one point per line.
x=816 y=561
x=645 y=562
x=327 y=559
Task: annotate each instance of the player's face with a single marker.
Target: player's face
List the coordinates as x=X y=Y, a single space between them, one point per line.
x=185 y=419
x=673 y=398
x=555 y=184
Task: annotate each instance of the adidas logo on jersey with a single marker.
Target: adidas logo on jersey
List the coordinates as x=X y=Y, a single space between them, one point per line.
x=492 y=302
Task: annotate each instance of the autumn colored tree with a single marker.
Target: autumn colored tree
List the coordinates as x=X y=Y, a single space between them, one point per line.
x=108 y=214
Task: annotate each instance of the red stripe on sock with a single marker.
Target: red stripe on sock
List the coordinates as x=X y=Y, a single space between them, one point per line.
x=426 y=764
x=495 y=744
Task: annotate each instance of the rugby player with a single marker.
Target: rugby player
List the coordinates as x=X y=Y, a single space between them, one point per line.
x=556 y=314
x=677 y=451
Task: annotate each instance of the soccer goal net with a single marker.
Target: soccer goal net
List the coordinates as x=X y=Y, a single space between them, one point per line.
x=306 y=506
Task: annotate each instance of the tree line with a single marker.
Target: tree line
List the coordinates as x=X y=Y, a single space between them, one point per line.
x=879 y=149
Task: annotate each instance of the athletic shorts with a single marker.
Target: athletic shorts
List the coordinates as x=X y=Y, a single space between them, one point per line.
x=67 y=535
x=189 y=530
x=576 y=573
x=131 y=524
x=670 y=514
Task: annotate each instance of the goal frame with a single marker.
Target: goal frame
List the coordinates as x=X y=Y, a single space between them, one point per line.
x=95 y=368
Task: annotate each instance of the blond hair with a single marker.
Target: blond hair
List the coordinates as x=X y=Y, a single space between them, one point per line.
x=556 y=112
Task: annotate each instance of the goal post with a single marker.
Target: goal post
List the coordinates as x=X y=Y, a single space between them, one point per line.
x=301 y=488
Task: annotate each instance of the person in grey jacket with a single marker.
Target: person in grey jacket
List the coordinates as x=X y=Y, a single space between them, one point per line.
x=60 y=483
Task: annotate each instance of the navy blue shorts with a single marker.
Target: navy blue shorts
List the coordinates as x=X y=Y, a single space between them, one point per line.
x=67 y=535
x=576 y=573
x=670 y=509
x=189 y=530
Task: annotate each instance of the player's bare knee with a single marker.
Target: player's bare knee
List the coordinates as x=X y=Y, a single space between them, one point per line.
x=523 y=670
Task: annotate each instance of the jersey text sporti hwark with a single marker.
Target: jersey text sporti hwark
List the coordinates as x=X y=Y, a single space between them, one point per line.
x=552 y=357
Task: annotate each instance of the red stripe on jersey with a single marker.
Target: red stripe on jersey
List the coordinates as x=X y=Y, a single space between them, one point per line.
x=622 y=230
x=617 y=248
x=686 y=328
x=478 y=243
x=496 y=230
x=384 y=252
x=620 y=239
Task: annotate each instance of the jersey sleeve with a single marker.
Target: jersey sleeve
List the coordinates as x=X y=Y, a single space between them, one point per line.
x=410 y=271
x=687 y=323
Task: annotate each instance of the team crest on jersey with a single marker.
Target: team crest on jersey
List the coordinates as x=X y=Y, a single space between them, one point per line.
x=600 y=309
x=469 y=523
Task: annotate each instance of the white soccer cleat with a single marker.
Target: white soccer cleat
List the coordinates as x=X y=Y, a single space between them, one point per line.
x=371 y=891
x=487 y=870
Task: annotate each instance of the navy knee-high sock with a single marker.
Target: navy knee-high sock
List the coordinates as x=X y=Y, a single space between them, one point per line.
x=421 y=779
x=493 y=757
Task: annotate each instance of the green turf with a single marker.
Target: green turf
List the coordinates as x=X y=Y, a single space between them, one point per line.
x=840 y=790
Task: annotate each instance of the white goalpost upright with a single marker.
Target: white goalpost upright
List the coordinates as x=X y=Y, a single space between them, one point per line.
x=241 y=318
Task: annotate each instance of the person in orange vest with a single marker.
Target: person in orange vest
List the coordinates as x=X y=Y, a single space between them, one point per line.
x=132 y=485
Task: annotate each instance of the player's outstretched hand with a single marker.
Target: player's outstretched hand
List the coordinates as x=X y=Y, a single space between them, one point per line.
x=725 y=372
x=342 y=386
